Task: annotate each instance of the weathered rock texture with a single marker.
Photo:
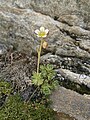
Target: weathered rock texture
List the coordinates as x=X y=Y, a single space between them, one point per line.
x=68 y=22
x=18 y=25
x=71 y=103
x=77 y=78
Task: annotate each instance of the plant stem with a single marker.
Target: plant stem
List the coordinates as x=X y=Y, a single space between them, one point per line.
x=33 y=93
x=39 y=53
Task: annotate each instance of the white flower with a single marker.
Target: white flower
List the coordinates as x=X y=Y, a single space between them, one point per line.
x=42 y=32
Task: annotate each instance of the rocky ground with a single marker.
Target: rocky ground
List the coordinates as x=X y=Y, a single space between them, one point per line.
x=68 y=49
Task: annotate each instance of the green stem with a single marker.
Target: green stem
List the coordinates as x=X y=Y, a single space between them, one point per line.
x=39 y=53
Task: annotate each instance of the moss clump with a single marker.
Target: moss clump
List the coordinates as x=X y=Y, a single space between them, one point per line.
x=5 y=90
x=16 y=109
x=13 y=109
x=39 y=111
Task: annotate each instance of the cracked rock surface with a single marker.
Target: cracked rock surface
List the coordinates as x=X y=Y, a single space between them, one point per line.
x=71 y=103
x=68 y=49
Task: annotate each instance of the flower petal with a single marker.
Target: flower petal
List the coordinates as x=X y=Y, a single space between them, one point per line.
x=38 y=35
x=42 y=29
x=46 y=31
x=37 y=31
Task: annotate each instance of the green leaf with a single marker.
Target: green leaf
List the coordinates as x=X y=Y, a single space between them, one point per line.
x=47 y=71
x=37 y=79
x=45 y=89
x=54 y=84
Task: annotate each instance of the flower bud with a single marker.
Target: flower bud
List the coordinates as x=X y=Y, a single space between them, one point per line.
x=45 y=44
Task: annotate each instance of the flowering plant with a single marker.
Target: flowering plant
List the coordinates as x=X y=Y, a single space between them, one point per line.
x=42 y=33
x=44 y=77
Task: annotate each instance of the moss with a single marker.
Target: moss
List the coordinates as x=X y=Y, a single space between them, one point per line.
x=16 y=109
x=40 y=112
x=5 y=90
x=13 y=109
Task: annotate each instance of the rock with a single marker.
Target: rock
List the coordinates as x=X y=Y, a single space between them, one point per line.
x=87 y=96
x=71 y=20
x=59 y=10
x=85 y=44
x=51 y=58
x=18 y=26
x=3 y=49
x=76 y=65
x=79 y=10
x=77 y=78
x=71 y=103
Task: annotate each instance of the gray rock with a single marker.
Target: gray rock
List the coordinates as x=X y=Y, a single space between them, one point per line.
x=78 y=10
x=57 y=8
x=3 y=49
x=74 y=77
x=17 y=26
x=71 y=103
x=51 y=58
